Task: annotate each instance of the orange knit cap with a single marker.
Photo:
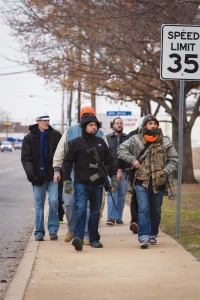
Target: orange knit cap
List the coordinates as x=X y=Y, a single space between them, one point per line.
x=87 y=110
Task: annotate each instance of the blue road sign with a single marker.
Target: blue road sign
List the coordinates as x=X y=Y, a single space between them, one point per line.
x=119 y=113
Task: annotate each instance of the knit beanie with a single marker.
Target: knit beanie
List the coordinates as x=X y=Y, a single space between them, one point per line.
x=87 y=110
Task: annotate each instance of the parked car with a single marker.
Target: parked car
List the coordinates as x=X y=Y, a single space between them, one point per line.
x=18 y=145
x=6 y=146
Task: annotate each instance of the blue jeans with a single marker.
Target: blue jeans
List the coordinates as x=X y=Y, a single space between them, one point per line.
x=119 y=197
x=69 y=209
x=51 y=188
x=83 y=192
x=149 y=211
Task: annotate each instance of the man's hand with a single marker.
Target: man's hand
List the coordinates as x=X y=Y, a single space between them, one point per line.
x=136 y=164
x=68 y=186
x=119 y=174
x=56 y=177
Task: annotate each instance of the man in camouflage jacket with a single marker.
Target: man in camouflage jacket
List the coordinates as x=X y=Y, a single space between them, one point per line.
x=154 y=173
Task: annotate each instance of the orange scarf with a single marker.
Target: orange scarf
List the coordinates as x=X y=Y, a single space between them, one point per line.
x=150 y=138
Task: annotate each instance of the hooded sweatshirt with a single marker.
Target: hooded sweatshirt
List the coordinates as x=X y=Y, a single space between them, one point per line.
x=77 y=154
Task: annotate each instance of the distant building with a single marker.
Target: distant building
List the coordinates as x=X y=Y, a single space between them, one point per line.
x=12 y=131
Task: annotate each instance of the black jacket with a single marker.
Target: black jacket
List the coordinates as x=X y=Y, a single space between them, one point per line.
x=77 y=155
x=30 y=154
x=113 y=144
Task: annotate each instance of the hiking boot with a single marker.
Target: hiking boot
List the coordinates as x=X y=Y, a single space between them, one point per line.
x=69 y=236
x=77 y=243
x=86 y=241
x=144 y=244
x=153 y=240
x=53 y=236
x=119 y=222
x=39 y=238
x=110 y=222
x=134 y=227
x=96 y=244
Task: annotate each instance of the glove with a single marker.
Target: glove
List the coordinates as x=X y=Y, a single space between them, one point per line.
x=114 y=182
x=160 y=178
x=67 y=186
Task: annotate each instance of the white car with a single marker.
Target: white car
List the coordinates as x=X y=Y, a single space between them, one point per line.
x=6 y=146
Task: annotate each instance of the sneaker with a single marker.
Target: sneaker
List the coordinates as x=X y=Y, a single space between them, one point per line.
x=110 y=222
x=153 y=240
x=77 y=243
x=39 y=238
x=144 y=244
x=119 y=222
x=134 y=227
x=86 y=241
x=53 y=236
x=69 y=236
x=96 y=244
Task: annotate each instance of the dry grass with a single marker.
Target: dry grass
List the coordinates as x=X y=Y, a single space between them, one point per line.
x=189 y=218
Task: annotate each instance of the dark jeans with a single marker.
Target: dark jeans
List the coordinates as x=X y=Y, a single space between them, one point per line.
x=134 y=208
x=60 y=202
x=83 y=193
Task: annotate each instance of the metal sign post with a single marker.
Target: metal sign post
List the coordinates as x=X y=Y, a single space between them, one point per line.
x=180 y=60
x=180 y=155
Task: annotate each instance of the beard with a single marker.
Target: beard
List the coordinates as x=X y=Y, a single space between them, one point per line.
x=119 y=130
x=152 y=132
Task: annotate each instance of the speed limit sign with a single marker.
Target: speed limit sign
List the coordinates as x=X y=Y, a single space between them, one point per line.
x=180 y=52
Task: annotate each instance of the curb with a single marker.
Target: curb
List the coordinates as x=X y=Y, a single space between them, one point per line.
x=17 y=287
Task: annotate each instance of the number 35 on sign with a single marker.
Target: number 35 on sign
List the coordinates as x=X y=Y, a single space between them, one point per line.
x=180 y=52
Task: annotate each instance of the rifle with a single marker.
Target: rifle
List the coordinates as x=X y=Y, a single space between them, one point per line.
x=101 y=173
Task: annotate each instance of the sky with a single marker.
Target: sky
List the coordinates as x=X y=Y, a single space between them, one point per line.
x=24 y=96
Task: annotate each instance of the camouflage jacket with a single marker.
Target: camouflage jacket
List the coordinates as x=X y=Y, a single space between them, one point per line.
x=131 y=149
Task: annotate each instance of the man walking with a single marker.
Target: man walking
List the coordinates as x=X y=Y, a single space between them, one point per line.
x=114 y=139
x=38 y=149
x=154 y=173
x=87 y=184
x=68 y=199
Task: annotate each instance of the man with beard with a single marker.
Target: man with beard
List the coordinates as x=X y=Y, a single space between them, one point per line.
x=114 y=139
x=88 y=183
x=154 y=173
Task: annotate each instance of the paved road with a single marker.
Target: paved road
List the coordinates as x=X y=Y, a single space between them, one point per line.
x=16 y=215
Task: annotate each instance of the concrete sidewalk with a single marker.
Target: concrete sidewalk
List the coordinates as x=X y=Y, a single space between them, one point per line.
x=121 y=270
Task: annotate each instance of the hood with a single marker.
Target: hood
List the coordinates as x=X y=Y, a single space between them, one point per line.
x=88 y=118
x=149 y=118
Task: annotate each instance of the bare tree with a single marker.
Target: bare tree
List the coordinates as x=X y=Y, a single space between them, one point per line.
x=109 y=48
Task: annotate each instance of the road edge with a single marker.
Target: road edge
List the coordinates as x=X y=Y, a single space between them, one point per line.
x=17 y=287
